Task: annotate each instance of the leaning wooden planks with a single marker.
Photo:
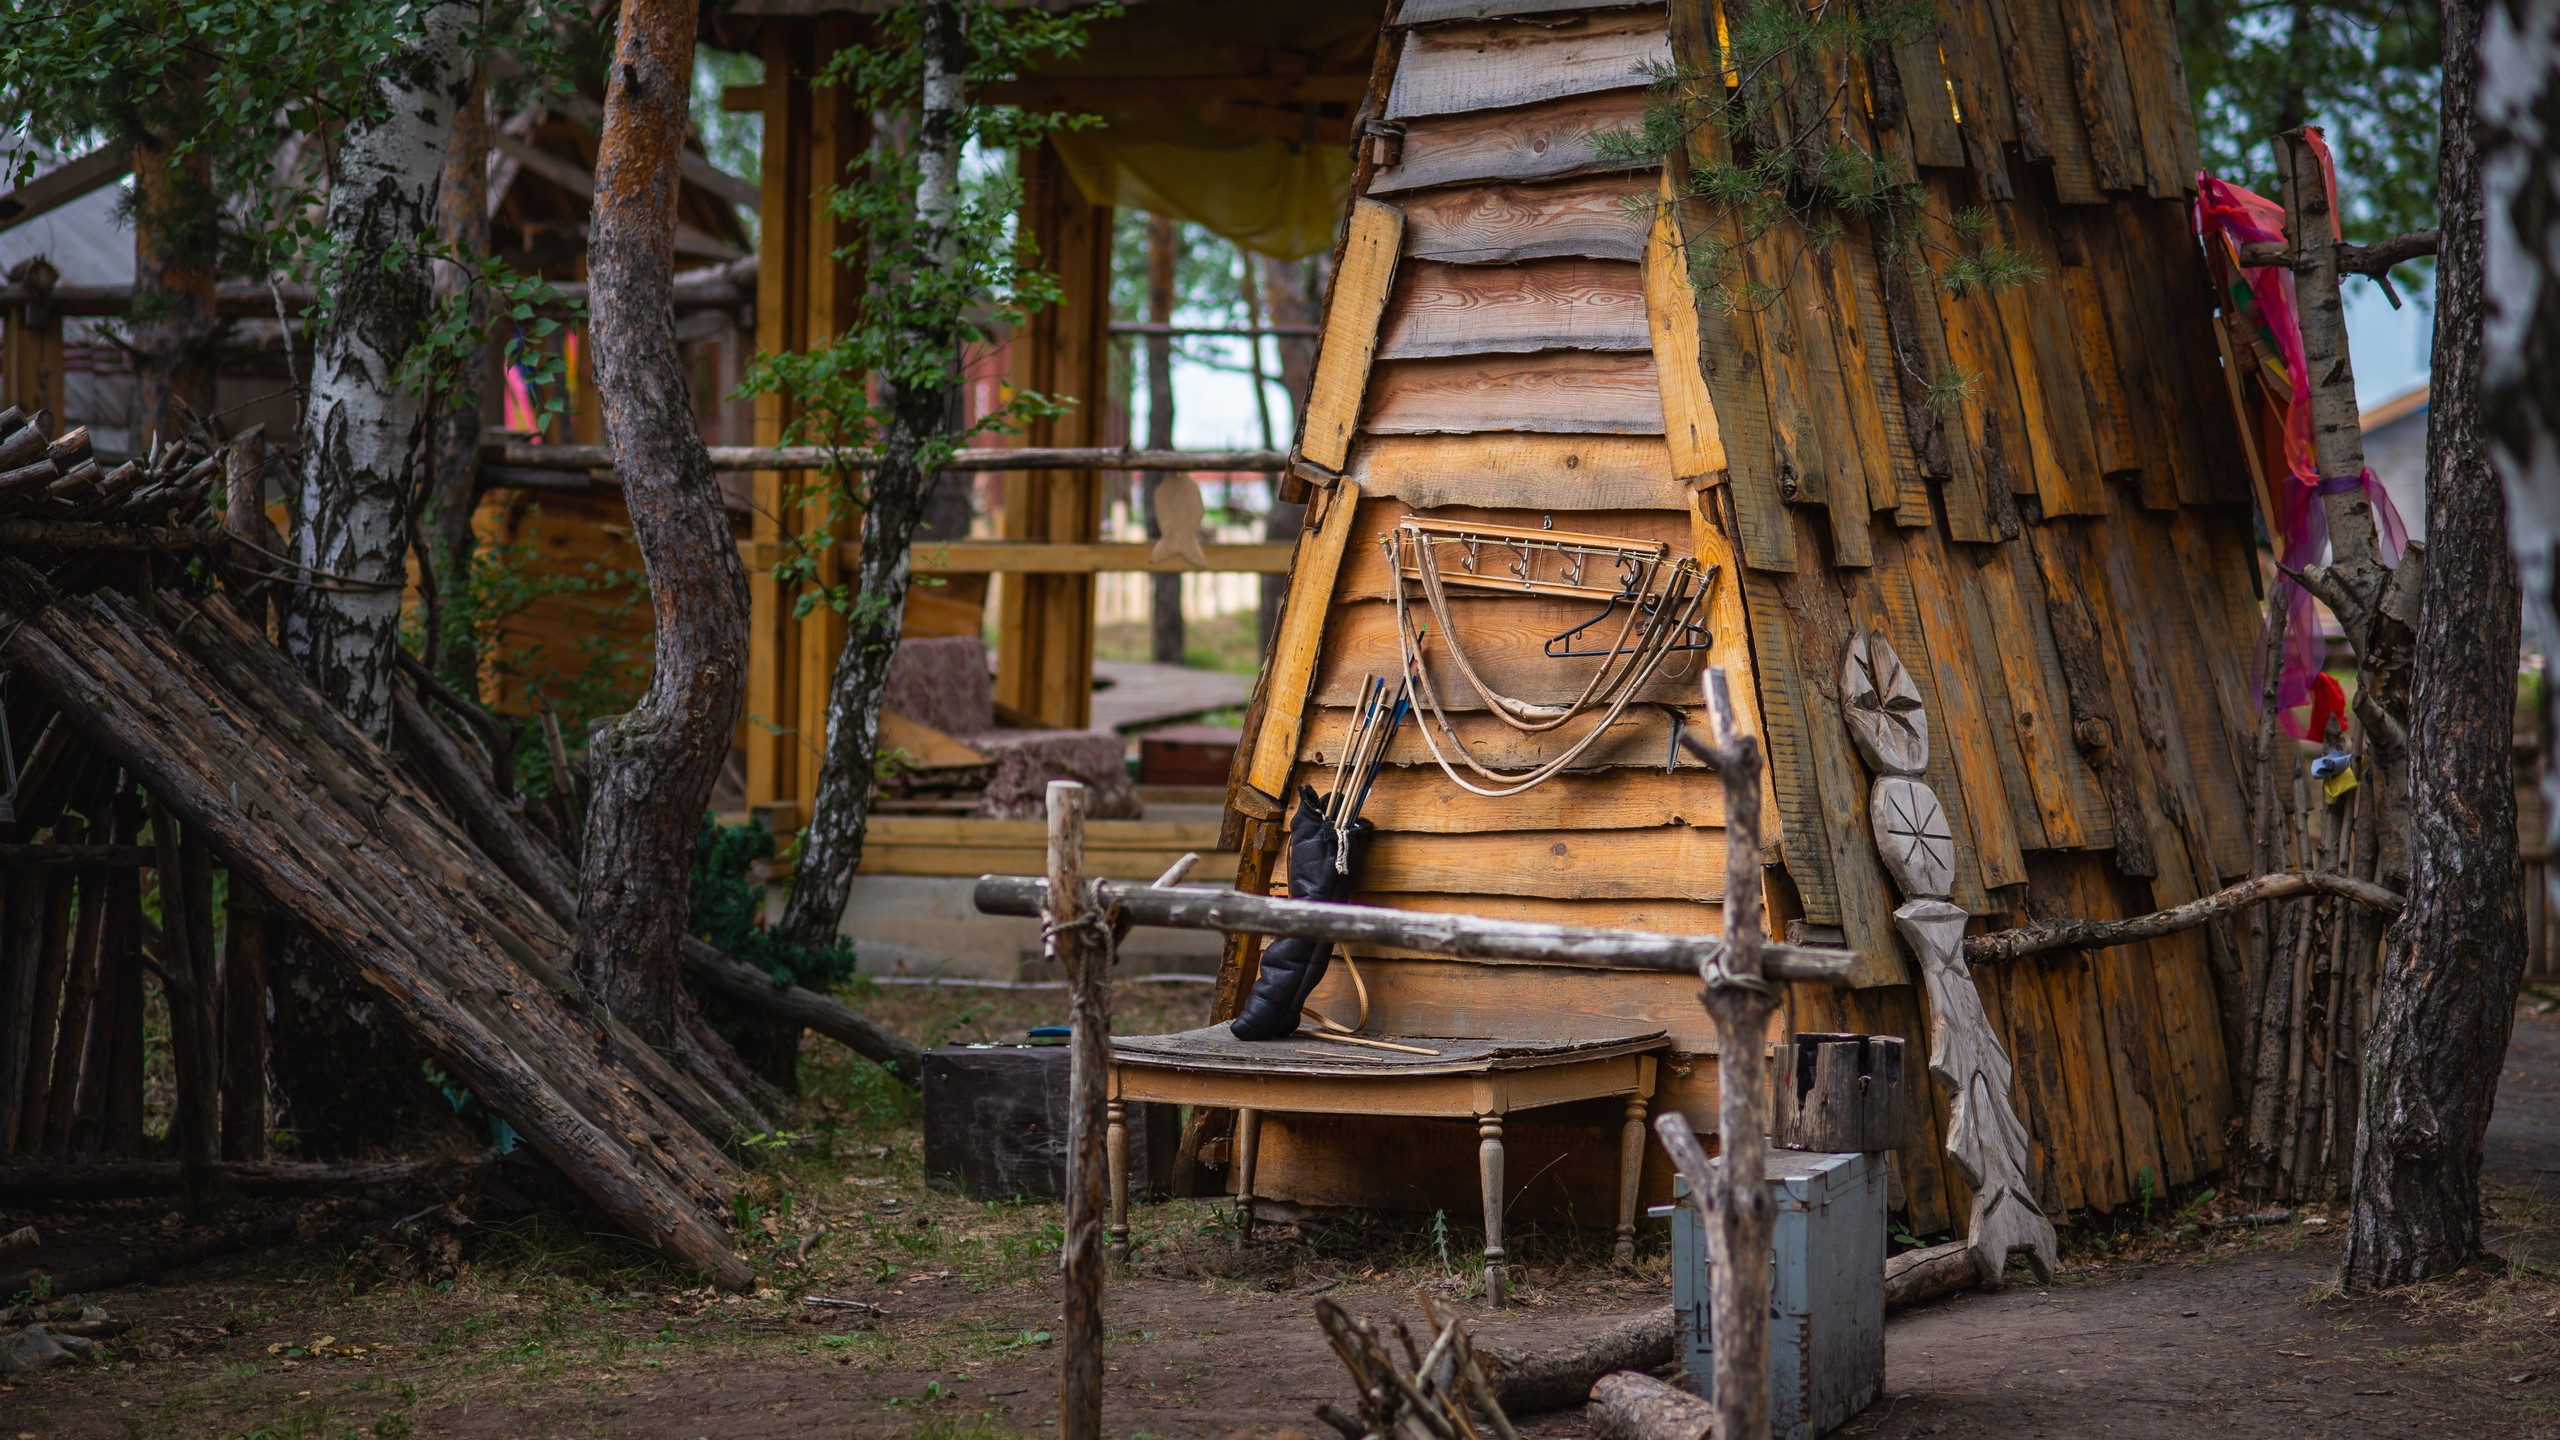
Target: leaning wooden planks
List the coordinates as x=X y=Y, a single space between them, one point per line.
x=238 y=745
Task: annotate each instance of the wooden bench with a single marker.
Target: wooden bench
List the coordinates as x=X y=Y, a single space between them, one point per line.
x=1482 y=1080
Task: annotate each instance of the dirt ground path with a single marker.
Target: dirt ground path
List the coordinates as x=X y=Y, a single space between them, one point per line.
x=2209 y=1333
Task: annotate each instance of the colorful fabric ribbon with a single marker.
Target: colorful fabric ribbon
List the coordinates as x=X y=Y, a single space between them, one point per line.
x=2264 y=297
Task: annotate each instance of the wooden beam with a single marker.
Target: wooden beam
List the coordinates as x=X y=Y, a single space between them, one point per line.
x=65 y=183
x=1459 y=937
x=1297 y=645
x=1361 y=282
x=1007 y=557
x=1184 y=92
x=517 y=454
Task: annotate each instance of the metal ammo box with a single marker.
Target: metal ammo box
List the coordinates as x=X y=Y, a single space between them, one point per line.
x=1826 y=1297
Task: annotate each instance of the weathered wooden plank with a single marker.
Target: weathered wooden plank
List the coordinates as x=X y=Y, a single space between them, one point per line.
x=2149 y=42
x=1660 y=915
x=2087 y=1080
x=1786 y=701
x=1729 y=348
x=1885 y=601
x=1821 y=626
x=2064 y=466
x=1929 y=104
x=2202 y=687
x=2214 y=464
x=1959 y=721
x=1668 y=862
x=1640 y=739
x=1728 y=617
x=1555 y=394
x=2144 y=351
x=1448 y=310
x=1442 y=12
x=1504 y=638
x=1456 y=69
x=1365 y=573
x=1689 y=422
x=2089 y=804
x=1295 y=646
x=1539 y=142
x=1835 y=446
x=1993 y=680
x=2038 y=42
x=1862 y=308
x=1505 y=223
x=2105 y=99
x=1987 y=421
x=2092 y=349
x=1361 y=283
x=2074 y=556
x=1466 y=1000
x=1857 y=341
x=1423 y=801
x=2125 y=1052
x=2039 y=725
x=1520 y=472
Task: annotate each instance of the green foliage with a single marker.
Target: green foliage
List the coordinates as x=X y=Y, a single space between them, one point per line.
x=2366 y=70
x=445 y=362
x=921 y=304
x=1780 y=170
x=728 y=910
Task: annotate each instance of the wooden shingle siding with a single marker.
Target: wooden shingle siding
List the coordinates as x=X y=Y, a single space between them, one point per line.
x=1458 y=69
x=1501 y=224
x=1516 y=471
x=1539 y=142
x=2060 y=553
x=1554 y=393
x=1563 y=304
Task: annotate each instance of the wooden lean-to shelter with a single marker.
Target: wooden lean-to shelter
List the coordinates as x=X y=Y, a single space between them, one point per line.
x=2059 y=545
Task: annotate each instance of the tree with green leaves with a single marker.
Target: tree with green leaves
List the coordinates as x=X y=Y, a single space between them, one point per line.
x=944 y=266
x=2369 y=71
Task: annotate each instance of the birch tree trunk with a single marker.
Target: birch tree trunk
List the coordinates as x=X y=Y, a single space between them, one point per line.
x=2452 y=963
x=654 y=766
x=348 y=1077
x=901 y=488
x=360 y=427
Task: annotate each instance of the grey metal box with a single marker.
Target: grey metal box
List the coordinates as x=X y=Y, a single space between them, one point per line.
x=1826 y=1296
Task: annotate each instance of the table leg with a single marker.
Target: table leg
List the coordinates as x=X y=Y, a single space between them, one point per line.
x=1630 y=1175
x=1248 y=1146
x=1489 y=1168
x=1117 y=1146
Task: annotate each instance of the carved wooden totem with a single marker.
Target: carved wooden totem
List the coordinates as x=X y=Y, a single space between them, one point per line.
x=1985 y=1137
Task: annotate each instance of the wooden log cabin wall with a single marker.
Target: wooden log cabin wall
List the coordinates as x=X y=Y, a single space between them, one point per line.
x=2064 y=556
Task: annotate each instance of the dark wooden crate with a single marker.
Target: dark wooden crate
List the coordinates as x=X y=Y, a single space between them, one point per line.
x=995 y=1120
x=1187 y=755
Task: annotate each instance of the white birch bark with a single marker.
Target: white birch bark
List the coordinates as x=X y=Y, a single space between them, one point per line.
x=359 y=427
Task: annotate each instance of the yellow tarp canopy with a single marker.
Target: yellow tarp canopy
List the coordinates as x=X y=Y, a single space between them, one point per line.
x=1273 y=196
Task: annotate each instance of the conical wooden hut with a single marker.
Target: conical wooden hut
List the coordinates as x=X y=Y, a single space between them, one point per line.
x=2034 y=490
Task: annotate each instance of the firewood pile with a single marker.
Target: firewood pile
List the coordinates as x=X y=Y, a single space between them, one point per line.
x=49 y=478
x=1407 y=1392
x=183 y=709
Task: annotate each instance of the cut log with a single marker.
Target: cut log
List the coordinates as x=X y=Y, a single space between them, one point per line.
x=1916 y=1277
x=54 y=1181
x=864 y=1036
x=531 y=862
x=1629 y=1406
x=233 y=739
x=1559 y=1378
x=159 y=1260
x=22 y=1238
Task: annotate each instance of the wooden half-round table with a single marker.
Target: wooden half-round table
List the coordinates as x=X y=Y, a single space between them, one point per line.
x=1479 y=1080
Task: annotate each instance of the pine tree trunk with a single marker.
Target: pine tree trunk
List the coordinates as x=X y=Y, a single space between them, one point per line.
x=347 y=1078
x=174 y=241
x=2452 y=963
x=2520 y=184
x=654 y=766
x=901 y=489
x=462 y=220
